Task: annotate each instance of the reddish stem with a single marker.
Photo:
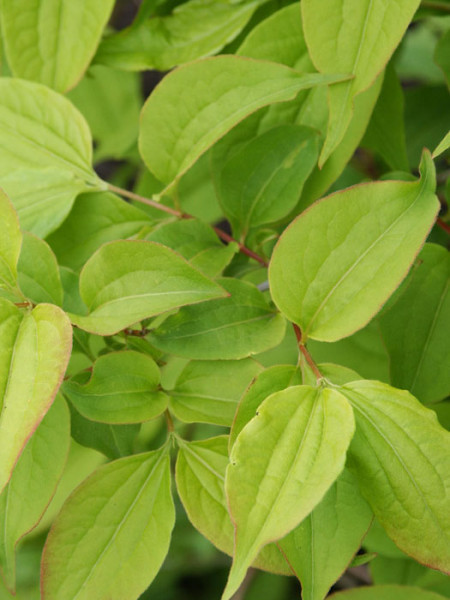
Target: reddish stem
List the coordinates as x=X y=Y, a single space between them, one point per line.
x=306 y=354
x=181 y=215
x=443 y=225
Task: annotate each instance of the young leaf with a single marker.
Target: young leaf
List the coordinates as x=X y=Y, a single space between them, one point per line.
x=45 y=157
x=322 y=546
x=38 y=273
x=351 y=43
x=262 y=182
x=113 y=533
x=197 y=242
x=400 y=455
x=200 y=477
x=387 y=592
x=10 y=242
x=281 y=465
x=229 y=328
x=321 y=179
x=274 y=379
x=95 y=219
x=416 y=329
x=442 y=146
x=195 y=29
x=127 y=281
x=123 y=388
x=53 y=41
x=208 y=391
x=35 y=351
x=279 y=38
x=171 y=140
x=32 y=484
x=339 y=261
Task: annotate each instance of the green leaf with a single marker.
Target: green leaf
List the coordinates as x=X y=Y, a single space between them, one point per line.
x=95 y=219
x=34 y=354
x=194 y=29
x=229 y=328
x=172 y=140
x=113 y=533
x=442 y=146
x=364 y=352
x=274 y=379
x=197 y=242
x=321 y=179
x=209 y=391
x=425 y=128
x=400 y=455
x=114 y=441
x=32 y=484
x=200 y=477
x=110 y=100
x=45 y=154
x=387 y=592
x=279 y=38
x=39 y=277
x=53 y=41
x=262 y=183
x=386 y=132
x=441 y=55
x=283 y=462
x=123 y=388
x=322 y=546
x=127 y=281
x=338 y=262
x=419 y=322
x=10 y=243
x=351 y=43
x=43 y=198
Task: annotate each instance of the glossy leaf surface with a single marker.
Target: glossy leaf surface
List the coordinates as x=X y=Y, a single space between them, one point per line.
x=215 y=95
x=400 y=455
x=200 y=477
x=39 y=278
x=123 y=388
x=113 y=533
x=127 y=281
x=53 y=41
x=95 y=219
x=350 y=42
x=274 y=379
x=209 y=391
x=322 y=546
x=332 y=283
x=229 y=328
x=33 y=358
x=262 y=182
x=33 y=483
x=45 y=154
x=193 y=30
x=282 y=464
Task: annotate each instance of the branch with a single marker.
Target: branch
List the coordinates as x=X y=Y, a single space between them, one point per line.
x=443 y=225
x=181 y=215
x=306 y=354
x=443 y=6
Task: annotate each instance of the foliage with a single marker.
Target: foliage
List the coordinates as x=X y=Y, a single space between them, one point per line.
x=286 y=386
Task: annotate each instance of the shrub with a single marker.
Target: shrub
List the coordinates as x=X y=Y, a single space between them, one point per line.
x=293 y=369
